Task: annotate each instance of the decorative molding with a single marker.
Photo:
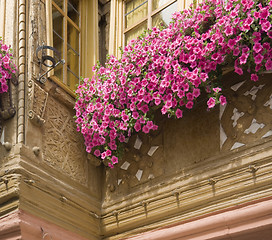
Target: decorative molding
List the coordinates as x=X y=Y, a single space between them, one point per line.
x=247 y=221
x=211 y=187
x=21 y=68
x=37 y=98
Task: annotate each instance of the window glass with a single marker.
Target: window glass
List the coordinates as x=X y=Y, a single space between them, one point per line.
x=164 y=17
x=158 y=3
x=135 y=11
x=66 y=39
x=143 y=14
x=60 y=3
x=58 y=38
x=72 y=80
x=135 y=32
x=73 y=11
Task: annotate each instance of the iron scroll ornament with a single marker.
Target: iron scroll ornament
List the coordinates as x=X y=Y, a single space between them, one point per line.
x=48 y=60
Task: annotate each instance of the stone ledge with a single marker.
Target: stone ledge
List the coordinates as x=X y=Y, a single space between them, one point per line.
x=237 y=178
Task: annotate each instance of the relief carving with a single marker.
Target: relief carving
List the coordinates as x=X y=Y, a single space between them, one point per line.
x=247 y=116
x=37 y=103
x=63 y=146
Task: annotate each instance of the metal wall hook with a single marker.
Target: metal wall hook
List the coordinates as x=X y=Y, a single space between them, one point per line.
x=46 y=235
x=212 y=181
x=48 y=60
x=253 y=169
x=116 y=213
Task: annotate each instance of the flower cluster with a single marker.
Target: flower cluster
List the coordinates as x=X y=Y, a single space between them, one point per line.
x=6 y=67
x=169 y=68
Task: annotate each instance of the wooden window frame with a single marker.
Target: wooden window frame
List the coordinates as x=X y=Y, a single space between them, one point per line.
x=117 y=20
x=65 y=38
x=88 y=45
x=150 y=14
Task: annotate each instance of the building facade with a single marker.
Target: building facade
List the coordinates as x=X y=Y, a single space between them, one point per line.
x=213 y=184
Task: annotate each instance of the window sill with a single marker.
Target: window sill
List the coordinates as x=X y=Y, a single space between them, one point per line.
x=63 y=86
x=62 y=93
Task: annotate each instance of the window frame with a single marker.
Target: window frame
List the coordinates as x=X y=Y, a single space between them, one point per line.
x=150 y=14
x=88 y=44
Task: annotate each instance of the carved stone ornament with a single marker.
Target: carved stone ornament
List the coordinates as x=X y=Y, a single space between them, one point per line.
x=63 y=147
x=37 y=103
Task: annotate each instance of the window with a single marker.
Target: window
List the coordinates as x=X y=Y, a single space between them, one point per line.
x=129 y=18
x=73 y=31
x=143 y=14
x=66 y=39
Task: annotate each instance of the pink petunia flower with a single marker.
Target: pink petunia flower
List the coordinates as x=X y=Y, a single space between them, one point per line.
x=211 y=102
x=254 y=77
x=238 y=70
x=257 y=47
x=222 y=100
x=179 y=113
x=258 y=58
x=114 y=159
x=266 y=25
x=189 y=105
x=217 y=89
x=268 y=65
x=97 y=153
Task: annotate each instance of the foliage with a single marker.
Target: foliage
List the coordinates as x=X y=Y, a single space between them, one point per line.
x=6 y=66
x=170 y=68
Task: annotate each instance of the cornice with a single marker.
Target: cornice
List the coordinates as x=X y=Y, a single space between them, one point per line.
x=247 y=221
x=219 y=183
x=44 y=192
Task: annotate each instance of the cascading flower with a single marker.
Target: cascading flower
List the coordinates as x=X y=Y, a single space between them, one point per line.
x=170 y=68
x=6 y=66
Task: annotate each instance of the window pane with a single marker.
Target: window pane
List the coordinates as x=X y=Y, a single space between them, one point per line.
x=58 y=40
x=58 y=72
x=73 y=37
x=135 y=11
x=164 y=17
x=158 y=3
x=57 y=22
x=73 y=61
x=73 y=11
x=59 y=3
x=135 y=32
x=72 y=80
x=72 y=56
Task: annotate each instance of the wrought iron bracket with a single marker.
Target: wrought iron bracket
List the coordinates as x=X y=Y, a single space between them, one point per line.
x=51 y=60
